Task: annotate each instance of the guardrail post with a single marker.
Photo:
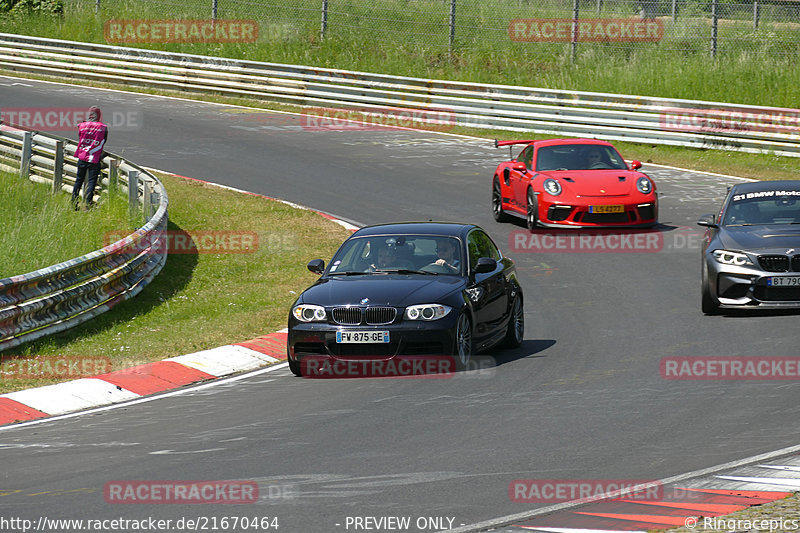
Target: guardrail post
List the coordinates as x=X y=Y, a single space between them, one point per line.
x=674 y=10
x=147 y=200
x=25 y=158
x=324 y=25
x=96 y=6
x=113 y=176
x=133 y=192
x=58 y=167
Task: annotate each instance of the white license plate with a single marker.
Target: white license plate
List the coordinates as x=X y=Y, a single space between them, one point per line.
x=783 y=281
x=362 y=337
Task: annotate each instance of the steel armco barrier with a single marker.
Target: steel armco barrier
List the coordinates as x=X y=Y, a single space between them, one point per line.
x=61 y=296
x=641 y=119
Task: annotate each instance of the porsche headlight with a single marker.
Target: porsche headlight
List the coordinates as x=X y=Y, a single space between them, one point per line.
x=552 y=187
x=644 y=185
x=727 y=257
x=309 y=313
x=426 y=312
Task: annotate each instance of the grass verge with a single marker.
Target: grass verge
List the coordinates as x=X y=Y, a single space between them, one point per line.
x=199 y=300
x=41 y=229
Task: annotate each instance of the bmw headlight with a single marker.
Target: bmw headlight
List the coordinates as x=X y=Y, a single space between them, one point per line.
x=552 y=187
x=426 y=312
x=309 y=313
x=726 y=257
x=644 y=185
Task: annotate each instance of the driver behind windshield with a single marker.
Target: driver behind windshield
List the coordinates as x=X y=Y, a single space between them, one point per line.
x=388 y=259
x=594 y=158
x=448 y=255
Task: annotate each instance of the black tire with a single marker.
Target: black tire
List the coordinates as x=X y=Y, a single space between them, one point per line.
x=532 y=218
x=516 y=325
x=464 y=343
x=709 y=304
x=294 y=366
x=497 y=202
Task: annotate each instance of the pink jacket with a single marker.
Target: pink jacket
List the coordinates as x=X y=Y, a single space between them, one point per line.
x=92 y=136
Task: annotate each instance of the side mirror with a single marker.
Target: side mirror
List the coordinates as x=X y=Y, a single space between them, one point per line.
x=636 y=165
x=519 y=166
x=709 y=221
x=317 y=266
x=485 y=264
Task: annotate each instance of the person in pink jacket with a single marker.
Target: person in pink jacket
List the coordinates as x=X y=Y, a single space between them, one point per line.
x=92 y=136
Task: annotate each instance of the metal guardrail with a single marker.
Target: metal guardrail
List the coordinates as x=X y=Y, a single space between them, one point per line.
x=61 y=296
x=641 y=119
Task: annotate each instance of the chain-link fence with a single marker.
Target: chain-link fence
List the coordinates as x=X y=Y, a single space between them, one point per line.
x=679 y=26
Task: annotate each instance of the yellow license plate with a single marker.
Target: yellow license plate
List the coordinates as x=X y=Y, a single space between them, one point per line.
x=606 y=208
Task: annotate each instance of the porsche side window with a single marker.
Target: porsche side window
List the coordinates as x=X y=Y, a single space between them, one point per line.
x=526 y=156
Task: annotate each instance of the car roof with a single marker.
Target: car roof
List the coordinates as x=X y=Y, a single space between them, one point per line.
x=454 y=229
x=770 y=185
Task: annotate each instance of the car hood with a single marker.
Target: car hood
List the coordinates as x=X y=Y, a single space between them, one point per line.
x=772 y=238
x=398 y=290
x=596 y=182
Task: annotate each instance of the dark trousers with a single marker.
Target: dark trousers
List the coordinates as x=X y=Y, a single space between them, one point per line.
x=90 y=172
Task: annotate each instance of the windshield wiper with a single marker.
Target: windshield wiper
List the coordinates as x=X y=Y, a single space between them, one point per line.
x=406 y=271
x=349 y=273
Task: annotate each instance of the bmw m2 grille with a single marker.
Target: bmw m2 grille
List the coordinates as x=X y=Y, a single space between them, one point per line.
x=353 y=316
x=380 y=315
x=347 y=316
x=777 y=294
x=774 y=263
x=796 y=263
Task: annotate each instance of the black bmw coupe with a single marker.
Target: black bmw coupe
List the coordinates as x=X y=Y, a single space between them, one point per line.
x=414 y=290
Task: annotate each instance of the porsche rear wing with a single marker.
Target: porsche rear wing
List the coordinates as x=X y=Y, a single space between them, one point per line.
x=498 y=144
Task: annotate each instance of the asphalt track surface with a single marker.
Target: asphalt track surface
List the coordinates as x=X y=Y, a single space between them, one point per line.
x=583 y=398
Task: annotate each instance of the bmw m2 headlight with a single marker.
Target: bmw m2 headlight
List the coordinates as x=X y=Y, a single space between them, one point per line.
x=726 y=257
x=552 y=187
x=309 y=313
x=426 y=312
x=644 y=185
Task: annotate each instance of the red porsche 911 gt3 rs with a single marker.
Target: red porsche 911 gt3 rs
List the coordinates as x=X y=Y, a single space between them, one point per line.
x=573 y=183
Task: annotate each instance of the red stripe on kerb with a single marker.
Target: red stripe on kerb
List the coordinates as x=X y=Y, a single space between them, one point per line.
x=644 y=518
x=155 y=377
x=720 y=508
x=14 y=411
x=273 y=345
